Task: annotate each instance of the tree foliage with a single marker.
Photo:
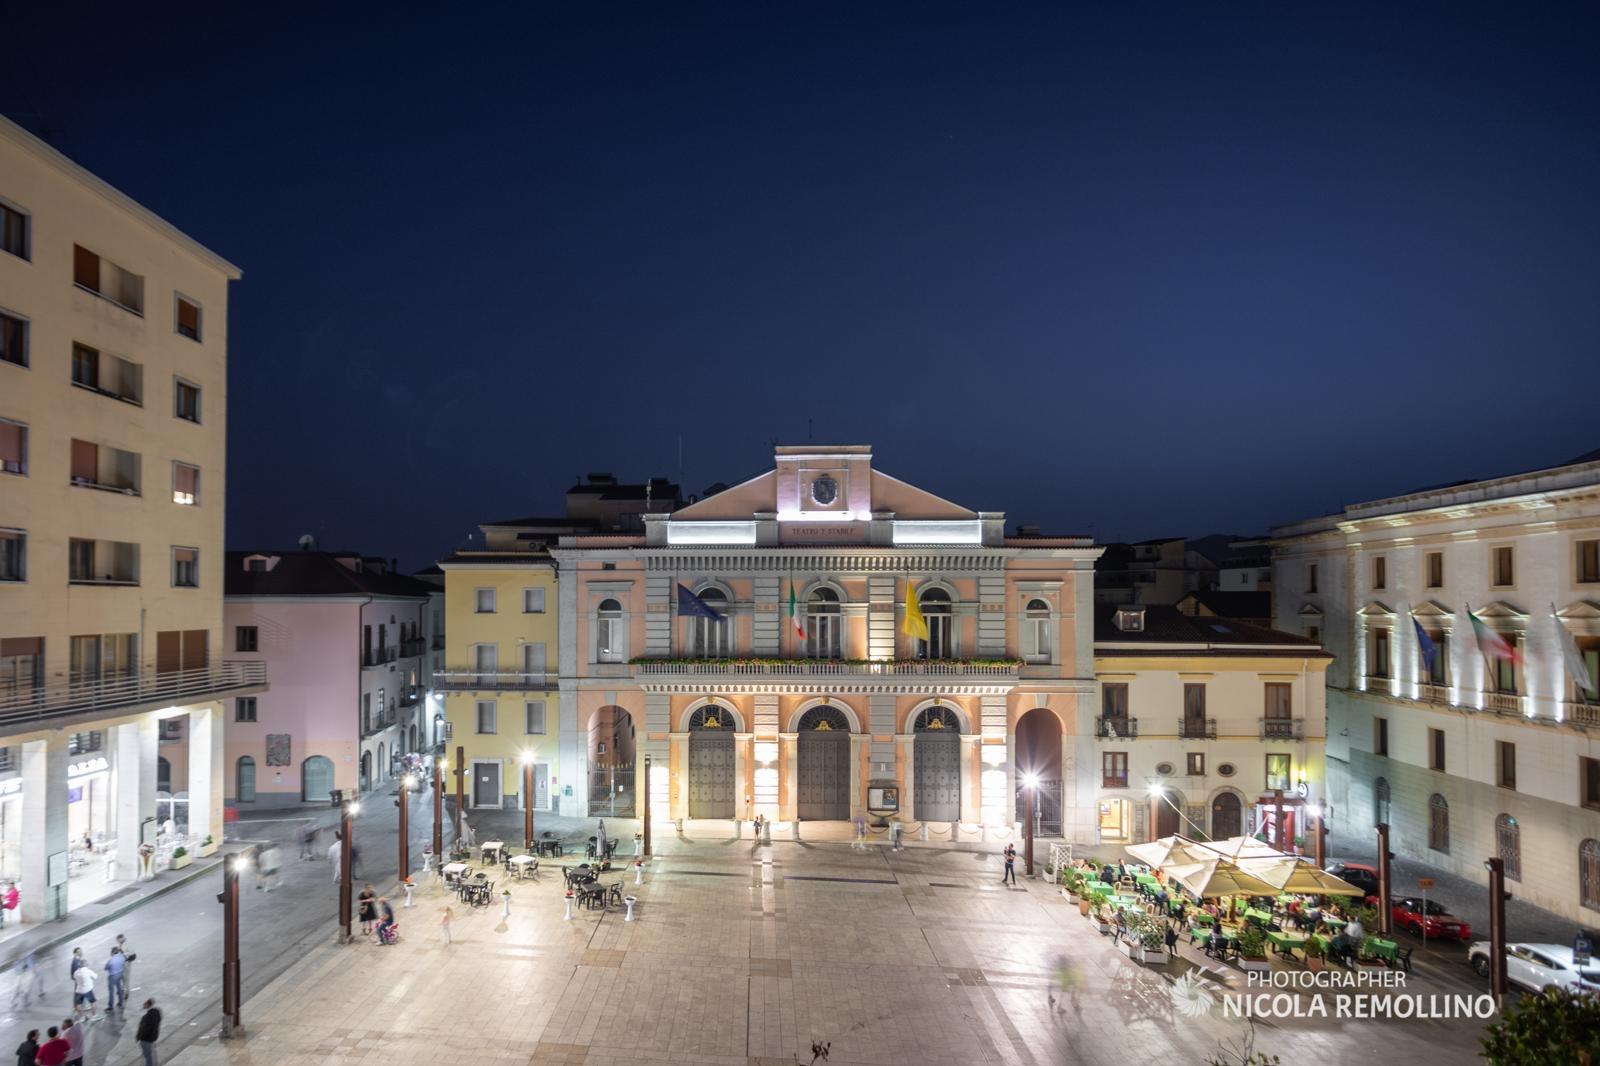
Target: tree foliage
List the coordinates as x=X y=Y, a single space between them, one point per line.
x=1555 y=1028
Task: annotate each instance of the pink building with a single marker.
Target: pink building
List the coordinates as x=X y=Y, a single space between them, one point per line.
x=347 y=632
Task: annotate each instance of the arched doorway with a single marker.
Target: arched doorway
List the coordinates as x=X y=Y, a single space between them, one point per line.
x=245 y=780
x=1168 y=803
x=823 y=770
x=1039 y=754
x=612 y=751
x=1227 y=817
x=937 y=749
x=366 y=770
x=711 y=785
x=316 y=779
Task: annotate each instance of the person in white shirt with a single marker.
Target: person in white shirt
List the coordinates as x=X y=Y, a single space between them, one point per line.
x=1355 y=931
x=83 y=991
x=334 y=850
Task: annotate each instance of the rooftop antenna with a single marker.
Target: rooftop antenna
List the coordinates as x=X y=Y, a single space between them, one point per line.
x=680 y=462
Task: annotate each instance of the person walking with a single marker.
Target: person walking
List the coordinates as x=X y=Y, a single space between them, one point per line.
x=8 y=902
x=53 y=1052
x=128 y=959
x=334 y=850
x=77 y=961
x=83 y=991
x=355 y=860
x=149 y=1032
x=308 y=842
x=445 y=918
x=27 y=981
x=369 y=910
x=73 y=1035
x=1011 y=865
x=270 y=859
x=116 y=971
x=28 y=1050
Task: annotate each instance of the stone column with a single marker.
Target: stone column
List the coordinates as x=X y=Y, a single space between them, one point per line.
x=860 y=749
x=744 y=790
x=906 y=743
x=134 y=751
x=574 y=765
x=44 y=826
x=969 y=778
x=206 y=755
x=788 y=765
x=678 y=788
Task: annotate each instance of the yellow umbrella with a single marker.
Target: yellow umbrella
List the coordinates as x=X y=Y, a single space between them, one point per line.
x=1219 y=877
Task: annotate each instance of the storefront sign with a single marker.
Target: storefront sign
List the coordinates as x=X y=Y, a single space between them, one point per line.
x=88 y=766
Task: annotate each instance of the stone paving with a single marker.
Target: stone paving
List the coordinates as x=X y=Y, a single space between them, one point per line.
x=746 y=955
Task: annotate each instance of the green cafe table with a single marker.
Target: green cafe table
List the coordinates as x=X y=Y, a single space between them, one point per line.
x=1202 y=918
x=1333 y=923
x=1199 y=935
x=1260 y=916
x=1321 y=941
x=1286 y=943
x=1383 y=949
x=1147 y=881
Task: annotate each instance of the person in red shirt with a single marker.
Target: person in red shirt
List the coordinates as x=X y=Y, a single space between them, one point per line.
x=53 y=1052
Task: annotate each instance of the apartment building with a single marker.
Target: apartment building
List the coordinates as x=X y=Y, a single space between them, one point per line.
x=113 y=382
x=1462 y=710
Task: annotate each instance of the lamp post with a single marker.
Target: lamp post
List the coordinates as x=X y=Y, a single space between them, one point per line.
x=1030 y=784
x=232 y=865
x=438 y=812
x=1384 y=882
x=1497 y=926
x=527 y=800
x=647 y=807
x=407 y=783
x=461 y=786
x=347 y=816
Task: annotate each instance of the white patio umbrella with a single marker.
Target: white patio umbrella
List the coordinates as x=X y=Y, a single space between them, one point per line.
x=1219 y=877
x=1172 y=850
x=1292 y=874
x=1242 y=847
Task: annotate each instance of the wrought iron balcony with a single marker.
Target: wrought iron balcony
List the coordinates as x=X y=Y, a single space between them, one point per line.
x=1283 y=728
x=410 y=649
x=828 y=667
x=379 y=656
x=127 y=691
x=1197 y=728
x=1116 y=727
x=462 y=680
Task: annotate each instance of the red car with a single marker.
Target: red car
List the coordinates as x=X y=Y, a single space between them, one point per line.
x=1429 y=919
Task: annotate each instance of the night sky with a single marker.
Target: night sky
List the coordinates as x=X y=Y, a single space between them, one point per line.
x=1142 y=272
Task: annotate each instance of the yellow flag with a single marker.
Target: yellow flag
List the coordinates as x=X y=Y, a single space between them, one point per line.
x=915 y=625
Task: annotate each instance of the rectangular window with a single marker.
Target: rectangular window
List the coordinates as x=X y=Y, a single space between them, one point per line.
x=13 y=447
x=13 y=559
x=14 y=227
x=186 y=401
x=186 y=568
x=244 y=709
x=486 y=716
x=102 y=467
x=13 y=340
x=1279 y=696
x=485 y=601
x=1436 y=750
x=1279 y=769
x=533 y=601
x=107 y=280
x=188 y=318
x=1379 y=667
x=109 y=375
x=1380 y=572
x=1589 y=782
x=1588 y=562
x=86 y=743
x=534 y=660
x=1114 y=769
x=102 y=562
x=1505 y=676
x=246 y=638
x=1197 y=764
x=1380 y=736
x=1505 y=761
x=1504 y=567
x=1436 y=670
x=1311 y=577
x=185 y=484
x=485 y=658
x=1114 y=700
x=533 y=712
x=1433 y=568
x=1314 y=633
x=366 y=712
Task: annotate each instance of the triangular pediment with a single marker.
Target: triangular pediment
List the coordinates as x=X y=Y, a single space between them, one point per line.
x=1500 y=610
x=1375 y=609
x=1432 y=609
x=1310 y=610
x=1580 y=611
x=739 y=503
x=908 y=501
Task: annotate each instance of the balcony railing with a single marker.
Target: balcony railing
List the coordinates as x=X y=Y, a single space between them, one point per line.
x=379 y=656
x=1197 y=728
x=1430 y=693
x=1583 y=712
x=410 y=649
x=1382 y=686
x=1282 y=728
x=1116 y=727
x=1507 y=703
x=67 y=697
x=480 y=680
x=411 y=695
x=828 y=667
x=438 y=642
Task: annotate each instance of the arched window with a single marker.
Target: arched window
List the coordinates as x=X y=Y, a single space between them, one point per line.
x=608 y=632
x=823 y=625
x=1589 y=873
x=245 y=780
x=1380 y=801
x=937 y=719
x=1438 y=823
x=366 y=770
x=1036 y=643
x=823 y=718
x=1508 y=844
x=713 y=637
x=936 y=610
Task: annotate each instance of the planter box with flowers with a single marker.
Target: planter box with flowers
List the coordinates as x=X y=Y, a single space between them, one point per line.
x=208 y=846
x=180 y=858
x=1252 y=944
x=1146 y=939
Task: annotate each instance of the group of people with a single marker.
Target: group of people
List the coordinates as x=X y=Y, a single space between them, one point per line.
x=63 y=1045
x=376 y=913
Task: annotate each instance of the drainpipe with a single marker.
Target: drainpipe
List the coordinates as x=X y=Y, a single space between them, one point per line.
x=360 y=665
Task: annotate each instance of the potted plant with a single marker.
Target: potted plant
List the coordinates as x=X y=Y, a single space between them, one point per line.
x=208 y=846
x=1299 y=845
x=180 y=857
x=1102 y=918
x=1146 y=938
x=1071 y=884
x=1315 y=957
x=1252 y=944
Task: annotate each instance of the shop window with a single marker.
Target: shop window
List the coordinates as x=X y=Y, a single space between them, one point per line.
x=84 y=743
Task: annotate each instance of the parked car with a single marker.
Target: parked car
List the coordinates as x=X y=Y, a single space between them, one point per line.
x=1359 y=874
x=1429 y=919
x=1536 y=967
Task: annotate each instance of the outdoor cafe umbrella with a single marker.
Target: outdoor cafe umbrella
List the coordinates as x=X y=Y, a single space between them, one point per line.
x=1168 y=851
x=1292 y=874
x=1218 y=877
x=1235 y=848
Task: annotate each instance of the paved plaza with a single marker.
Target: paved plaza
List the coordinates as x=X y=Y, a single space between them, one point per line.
x=744 y=954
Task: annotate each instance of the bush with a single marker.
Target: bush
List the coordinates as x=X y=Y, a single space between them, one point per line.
x=1367 y=916
x=1313 y=948
x=1252 y=941
x=179 y=852
x=1555 y=1027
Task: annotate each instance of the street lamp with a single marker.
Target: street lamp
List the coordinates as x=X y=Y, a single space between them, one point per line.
x=407 y=783
x=347 y=815
x=232 y=866
x=1030 y=781
x=1497 y=926
x=527 y=800
x=647 y=785
x=438 y=812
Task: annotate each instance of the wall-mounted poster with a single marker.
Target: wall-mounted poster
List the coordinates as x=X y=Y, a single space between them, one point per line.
x=277 y=749
x=883 y=799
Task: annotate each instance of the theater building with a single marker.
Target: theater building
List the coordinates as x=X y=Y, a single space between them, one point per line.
x=755 y=646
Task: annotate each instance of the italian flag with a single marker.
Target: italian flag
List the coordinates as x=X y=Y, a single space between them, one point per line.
x=1492 y=644
x=794 y=614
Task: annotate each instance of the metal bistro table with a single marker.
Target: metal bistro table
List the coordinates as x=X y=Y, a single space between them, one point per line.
x=523 y=865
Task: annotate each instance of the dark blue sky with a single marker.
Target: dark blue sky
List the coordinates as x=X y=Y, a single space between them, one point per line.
x=1161 y=270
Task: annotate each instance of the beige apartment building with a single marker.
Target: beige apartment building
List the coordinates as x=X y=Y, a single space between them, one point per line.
x=113 y=379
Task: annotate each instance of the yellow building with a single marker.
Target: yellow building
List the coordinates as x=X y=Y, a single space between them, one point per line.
x=499 y=677
x=113 y=383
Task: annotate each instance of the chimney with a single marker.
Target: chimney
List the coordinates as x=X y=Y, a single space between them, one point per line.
x=1129 y=619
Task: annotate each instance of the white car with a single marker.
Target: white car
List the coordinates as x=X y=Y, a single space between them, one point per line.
x=1536 y=967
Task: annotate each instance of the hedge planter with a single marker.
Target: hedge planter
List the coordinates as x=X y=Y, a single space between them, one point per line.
x=1153 y=958
x=1254 y=964
x=180 y=861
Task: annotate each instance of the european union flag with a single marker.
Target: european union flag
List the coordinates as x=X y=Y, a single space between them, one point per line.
x=693 y=606
x=1425 y=643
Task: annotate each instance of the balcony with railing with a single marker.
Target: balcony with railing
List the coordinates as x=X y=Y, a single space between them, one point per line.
x=1504 y=703
x=1380 y=685
x=410 y=649
x=1197 y=728
x=379 y=656
x=411 y=695
x=1431 y=693
x=129 y=691
x=1582 y=712
x=1116 y=727
x=1283 y=728
x=461 y=679
x=1000 y=668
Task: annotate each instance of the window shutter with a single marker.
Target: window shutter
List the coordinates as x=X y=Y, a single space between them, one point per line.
x=11 y=443
x=85 y=268
x=85 y=460
x=189 y=318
